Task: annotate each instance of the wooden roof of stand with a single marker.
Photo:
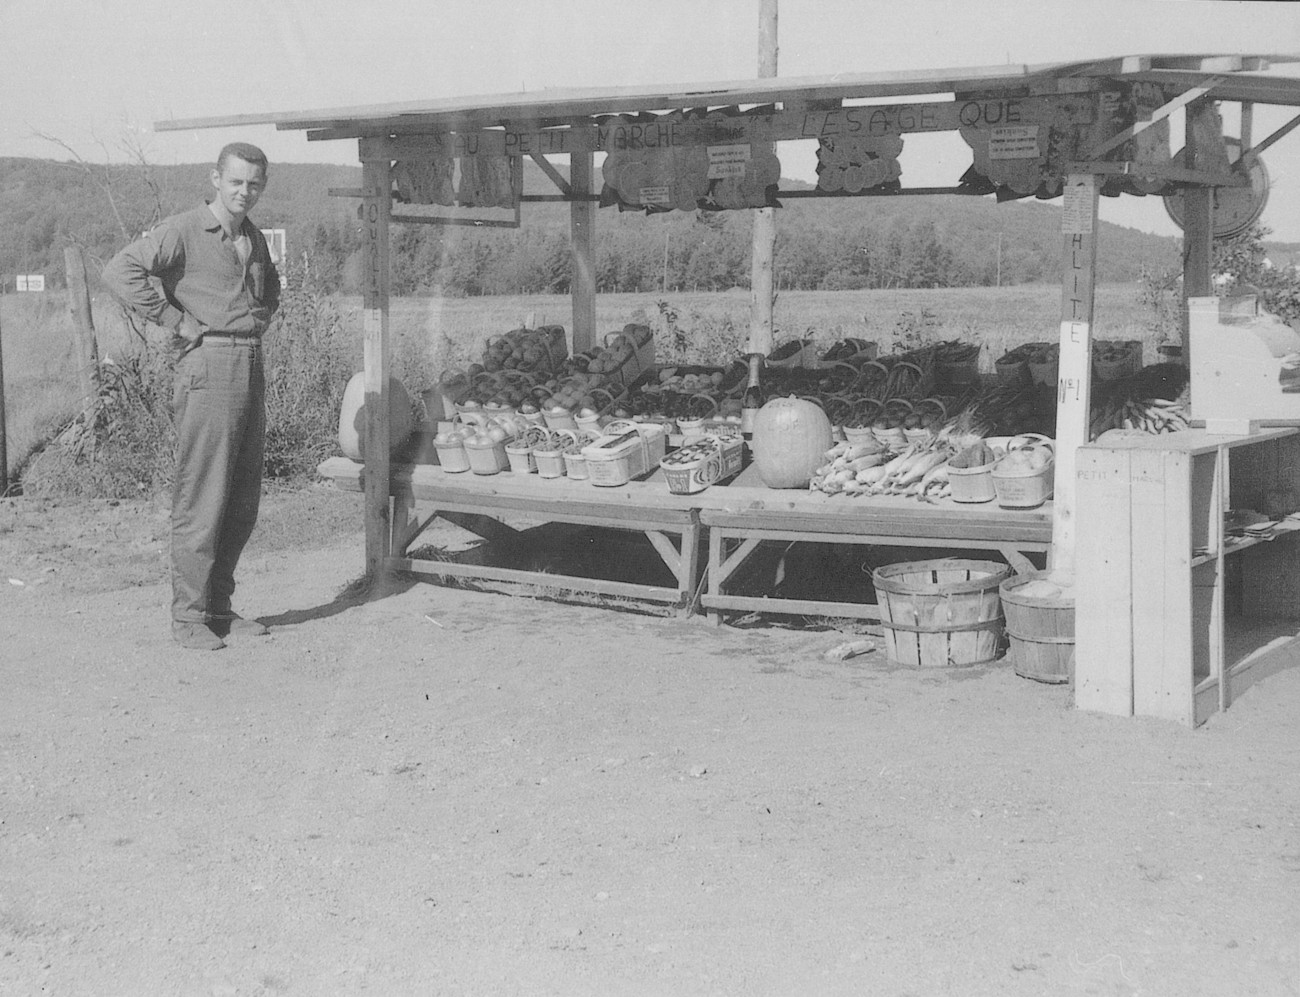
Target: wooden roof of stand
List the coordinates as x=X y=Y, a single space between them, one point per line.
x=1234 y=77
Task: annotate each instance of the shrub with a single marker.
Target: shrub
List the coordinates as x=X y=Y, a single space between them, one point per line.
x=121 y=445
x=308 y=364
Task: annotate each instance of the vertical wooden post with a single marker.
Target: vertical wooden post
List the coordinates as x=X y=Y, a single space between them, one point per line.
x=74 y=264
x=582 y=222
x=375 y=207
x=764 y=238
x=1198 y=215
x=4 y=430
x=1074 y=373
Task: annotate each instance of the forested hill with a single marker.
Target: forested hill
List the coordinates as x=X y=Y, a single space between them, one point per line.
x=822 y=243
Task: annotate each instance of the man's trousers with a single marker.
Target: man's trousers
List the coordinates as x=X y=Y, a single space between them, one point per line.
x=219 y=409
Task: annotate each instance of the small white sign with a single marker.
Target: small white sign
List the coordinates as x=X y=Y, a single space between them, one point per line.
x=728 y=161
x=30 y=281
x=275 y=243
x=1080 y=194
x=660 y=196
x=1014 y=142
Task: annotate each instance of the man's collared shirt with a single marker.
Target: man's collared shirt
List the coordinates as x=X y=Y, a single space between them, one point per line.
x=200 y=272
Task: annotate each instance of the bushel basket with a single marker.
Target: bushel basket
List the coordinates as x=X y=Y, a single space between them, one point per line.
x=941 y=613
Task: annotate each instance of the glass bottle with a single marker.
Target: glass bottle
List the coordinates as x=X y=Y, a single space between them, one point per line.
x=753 y=398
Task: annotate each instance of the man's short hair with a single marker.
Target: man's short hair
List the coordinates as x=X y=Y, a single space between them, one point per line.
x=242 y=150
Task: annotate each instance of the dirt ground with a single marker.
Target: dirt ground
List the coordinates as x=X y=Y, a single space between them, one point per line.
x=446 y=791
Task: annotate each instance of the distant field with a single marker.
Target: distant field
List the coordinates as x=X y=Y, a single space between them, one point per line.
x=433 y=334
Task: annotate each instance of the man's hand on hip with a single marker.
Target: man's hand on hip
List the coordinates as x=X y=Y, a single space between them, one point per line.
x=189 y=333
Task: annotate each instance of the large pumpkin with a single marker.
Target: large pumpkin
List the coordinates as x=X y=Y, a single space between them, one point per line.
x=352 y=416
x=791 y=437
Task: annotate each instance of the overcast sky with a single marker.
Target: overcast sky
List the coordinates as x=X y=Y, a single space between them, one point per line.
x=91 y=73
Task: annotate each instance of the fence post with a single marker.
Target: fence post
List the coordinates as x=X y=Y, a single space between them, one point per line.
x=88 y=353
x=4 y=432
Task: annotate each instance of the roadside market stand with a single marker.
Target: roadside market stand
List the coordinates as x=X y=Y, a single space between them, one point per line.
x=1076 y=130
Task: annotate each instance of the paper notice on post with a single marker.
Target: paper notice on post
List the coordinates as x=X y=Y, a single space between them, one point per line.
x=727 y=161
x=1076 y=211
x=1014 y=142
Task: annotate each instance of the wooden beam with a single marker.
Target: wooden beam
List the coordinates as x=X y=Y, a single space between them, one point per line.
x=763 y=242
x=1204 y=178
x=1203 y=130
x=1286 y=129
x=376 y=350
x=582 y=222
x=1159 y=114
x=83 y=325
x=4 y=438
x=1074 y=378
x=557 y=178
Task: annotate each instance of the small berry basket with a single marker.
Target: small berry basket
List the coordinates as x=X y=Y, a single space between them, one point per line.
x=1023 y=478
x=549 y=454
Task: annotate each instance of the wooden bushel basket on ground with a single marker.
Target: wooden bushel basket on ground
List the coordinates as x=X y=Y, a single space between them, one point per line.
x=1041 y=630
x=941 y=613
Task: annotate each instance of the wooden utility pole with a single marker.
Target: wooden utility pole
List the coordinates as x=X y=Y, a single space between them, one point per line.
x=74 y=264
x=764 y=243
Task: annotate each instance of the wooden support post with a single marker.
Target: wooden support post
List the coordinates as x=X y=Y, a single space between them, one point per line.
x=1198 y=214
x=375 y=348
x=764 y=238
x=4 y=431
x=582 y=222
x=83 y=324
x=1074 y=373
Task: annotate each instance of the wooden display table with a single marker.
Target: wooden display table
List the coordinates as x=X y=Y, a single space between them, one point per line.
x=746 y=513
x=738 y=516
x=1175 y=615
x=478 y=503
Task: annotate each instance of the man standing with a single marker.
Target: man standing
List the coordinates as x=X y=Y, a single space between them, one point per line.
x=218 y=291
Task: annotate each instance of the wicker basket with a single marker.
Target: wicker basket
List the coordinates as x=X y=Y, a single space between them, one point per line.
x=941 y=613
x=1041 y=630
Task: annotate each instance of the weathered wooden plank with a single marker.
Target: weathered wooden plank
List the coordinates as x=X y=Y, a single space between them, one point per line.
x=1074 y=379
x=1103 y=676
x=568 y=103
x=375 y=349
x=953 y=531
x=797 y=607
x=582 y=226
x=1202 y=130
x=480 y=525
x=540 y=579
x=1162 y=598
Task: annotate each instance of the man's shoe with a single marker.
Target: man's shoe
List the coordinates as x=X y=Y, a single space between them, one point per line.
x=236 y=626
x=196 y=637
